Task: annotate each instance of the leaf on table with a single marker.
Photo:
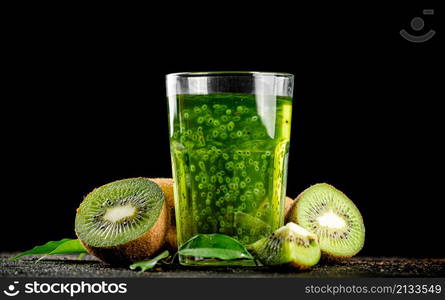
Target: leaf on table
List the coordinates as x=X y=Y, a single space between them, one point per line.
x=54 y=247
x=69 y=247
x=149 y=264
x=215 y=245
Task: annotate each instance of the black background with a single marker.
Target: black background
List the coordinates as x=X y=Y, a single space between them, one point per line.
x=84 y=104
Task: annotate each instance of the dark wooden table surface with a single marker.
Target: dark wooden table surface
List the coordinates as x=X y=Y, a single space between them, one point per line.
x=69 y=267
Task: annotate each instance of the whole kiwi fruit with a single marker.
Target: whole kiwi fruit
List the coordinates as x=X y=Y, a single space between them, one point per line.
x=166 y=185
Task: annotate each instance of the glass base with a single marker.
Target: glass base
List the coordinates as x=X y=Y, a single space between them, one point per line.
x=209 y=262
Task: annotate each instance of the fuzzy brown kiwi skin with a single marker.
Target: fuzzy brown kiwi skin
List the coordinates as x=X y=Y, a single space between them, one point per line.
x=325 y=257
x=166 y=185
x=171 y=239
x=291 y=215
x=139 y=249
x=289 y=202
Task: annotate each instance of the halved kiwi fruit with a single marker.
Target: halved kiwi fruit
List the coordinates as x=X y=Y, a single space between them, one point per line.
x=123 y=221
x=289 y=245
x=333 y=217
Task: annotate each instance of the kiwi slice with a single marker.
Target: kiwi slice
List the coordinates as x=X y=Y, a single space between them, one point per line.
x=289 y=245
x=333 y=217
x=123 y=221
x=249 y=228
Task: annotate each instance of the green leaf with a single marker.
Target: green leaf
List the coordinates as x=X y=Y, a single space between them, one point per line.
x=216 y=245
x=149 y=264
x=54 y=247
x=69 y=247
x=42 y=249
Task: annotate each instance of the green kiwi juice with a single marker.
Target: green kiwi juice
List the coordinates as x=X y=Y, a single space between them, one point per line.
x=229 y=157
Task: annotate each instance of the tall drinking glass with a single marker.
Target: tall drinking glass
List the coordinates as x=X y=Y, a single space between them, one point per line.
x=229 y=141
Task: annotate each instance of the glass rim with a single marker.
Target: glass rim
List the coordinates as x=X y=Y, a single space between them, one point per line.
x=229 y=73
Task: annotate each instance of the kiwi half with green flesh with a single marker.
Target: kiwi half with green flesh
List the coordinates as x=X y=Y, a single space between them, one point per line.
x=333 y=217
x=289 y=245
x=123 y=221
x=166 y=185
